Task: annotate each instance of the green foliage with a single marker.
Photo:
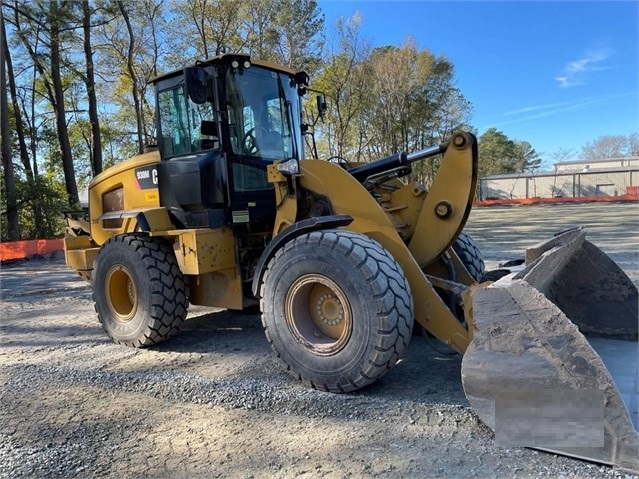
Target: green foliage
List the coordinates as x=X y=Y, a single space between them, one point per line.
x=40 y=207
x=499 y=154
x=297 y=25
x=119 y=145
x=46 y=198
x=393 y=99
x=386 y=100
x=409 y=86
x=345 y=79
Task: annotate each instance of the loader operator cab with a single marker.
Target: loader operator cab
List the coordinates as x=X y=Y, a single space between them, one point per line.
x=220 y=124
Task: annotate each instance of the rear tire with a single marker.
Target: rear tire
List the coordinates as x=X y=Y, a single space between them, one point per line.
x=139 y=292
x=336 y=309
x=470 y=255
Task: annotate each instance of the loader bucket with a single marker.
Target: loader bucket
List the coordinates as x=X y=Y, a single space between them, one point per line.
x=530 y=373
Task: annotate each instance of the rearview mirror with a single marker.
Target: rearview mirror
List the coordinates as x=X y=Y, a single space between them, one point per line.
x=195 y=78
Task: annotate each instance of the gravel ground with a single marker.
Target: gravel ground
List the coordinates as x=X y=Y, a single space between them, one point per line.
x=213 y=402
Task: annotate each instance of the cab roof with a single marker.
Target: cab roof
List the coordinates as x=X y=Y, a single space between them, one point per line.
x=227 y=58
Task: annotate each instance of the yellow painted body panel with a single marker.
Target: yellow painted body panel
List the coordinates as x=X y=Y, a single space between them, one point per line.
x=79 y=254
x=121 y=176
x=286 y=203
x=403 y=206
x=222 y=289
x=157 y=219
x=207 y=257
x=454 y=186
x=200 y=251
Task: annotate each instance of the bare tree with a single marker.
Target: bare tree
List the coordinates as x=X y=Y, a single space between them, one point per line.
x=50 y=20
x=344 y=79
x=89 y=81
x=19 y=125
x=130 y=65
x=13 y=229
x=210 y=25
x=55 y=18
x=608 y=146
x=633 y=144
x=563 y=154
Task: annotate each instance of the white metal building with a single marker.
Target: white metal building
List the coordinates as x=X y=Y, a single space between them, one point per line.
x=607 y=177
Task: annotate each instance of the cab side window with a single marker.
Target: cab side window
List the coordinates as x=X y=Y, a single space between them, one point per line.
x=186 y=127
x=174 y=124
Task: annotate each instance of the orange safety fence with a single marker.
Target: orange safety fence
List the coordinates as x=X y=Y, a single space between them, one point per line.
x=24 y=249
x=536 y=201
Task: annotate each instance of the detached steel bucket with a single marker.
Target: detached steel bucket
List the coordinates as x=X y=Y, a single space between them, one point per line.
x=531 y=375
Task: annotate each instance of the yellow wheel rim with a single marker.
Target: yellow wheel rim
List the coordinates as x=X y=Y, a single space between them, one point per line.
x=318 y=314
x=121 y=293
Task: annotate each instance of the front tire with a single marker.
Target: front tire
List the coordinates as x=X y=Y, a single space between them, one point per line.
x=470 y=255
x=337 y=309
x=139 y=292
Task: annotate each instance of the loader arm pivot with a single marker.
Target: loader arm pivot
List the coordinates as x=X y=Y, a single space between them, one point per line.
x=449 y=200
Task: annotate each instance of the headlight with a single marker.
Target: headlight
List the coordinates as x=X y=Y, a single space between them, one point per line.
x=289 y=167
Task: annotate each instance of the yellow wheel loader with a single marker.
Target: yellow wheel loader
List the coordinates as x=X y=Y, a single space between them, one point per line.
x=343 y=258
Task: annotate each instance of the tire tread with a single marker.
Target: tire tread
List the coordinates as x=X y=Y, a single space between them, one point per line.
x=470 y=255
x=169 y=302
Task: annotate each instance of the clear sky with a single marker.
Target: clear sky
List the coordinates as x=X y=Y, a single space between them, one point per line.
x=557 y=74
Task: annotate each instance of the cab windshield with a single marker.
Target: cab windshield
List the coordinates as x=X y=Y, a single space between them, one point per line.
x=262 y=105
